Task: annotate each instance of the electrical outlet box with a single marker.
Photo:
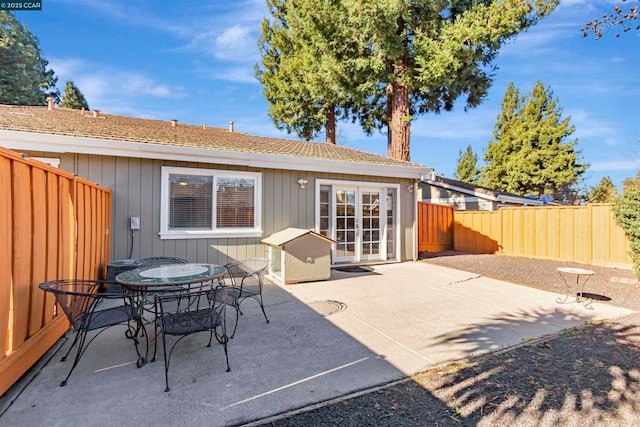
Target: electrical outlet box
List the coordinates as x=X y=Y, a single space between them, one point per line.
x=135 y=223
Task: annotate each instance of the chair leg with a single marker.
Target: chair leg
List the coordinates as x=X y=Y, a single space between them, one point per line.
x=262 y=307
x=225 y=340
x=166 y=364
x=236 y=305
x=79 y=340
x=73 y=344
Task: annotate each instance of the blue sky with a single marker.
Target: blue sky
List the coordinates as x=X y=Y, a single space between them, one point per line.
x=194 y=61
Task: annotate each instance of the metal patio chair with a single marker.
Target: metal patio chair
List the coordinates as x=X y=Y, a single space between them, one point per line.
x=181 y=314
x=246 y=279
x=88 y=307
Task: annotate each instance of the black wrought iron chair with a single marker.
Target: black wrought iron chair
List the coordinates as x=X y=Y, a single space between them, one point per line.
x=246 y=279
x=184 y=313
x=88 y=307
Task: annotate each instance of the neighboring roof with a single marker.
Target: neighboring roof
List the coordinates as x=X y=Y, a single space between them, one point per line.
x=109 y=129
x=288 y=234
x=480 y=191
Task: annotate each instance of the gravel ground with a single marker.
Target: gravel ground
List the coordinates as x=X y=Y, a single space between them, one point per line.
x=587 y=376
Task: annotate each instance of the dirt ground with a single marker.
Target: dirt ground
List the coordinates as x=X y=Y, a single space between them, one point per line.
x=587 y=376
x=616 y=286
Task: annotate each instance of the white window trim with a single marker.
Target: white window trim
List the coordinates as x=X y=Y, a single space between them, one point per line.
x=166 y=233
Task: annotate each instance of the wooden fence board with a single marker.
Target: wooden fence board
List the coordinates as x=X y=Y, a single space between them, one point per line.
x=53 y=223
x=22 y=231
x=6 y=233
x=39 y=254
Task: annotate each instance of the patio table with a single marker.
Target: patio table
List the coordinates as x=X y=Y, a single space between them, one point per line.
x=169 y=275
x=575 y=278
x=167 y=278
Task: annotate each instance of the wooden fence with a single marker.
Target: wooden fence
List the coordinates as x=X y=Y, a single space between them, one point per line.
x=52 y=226
x=585 y=234
x=435 y=227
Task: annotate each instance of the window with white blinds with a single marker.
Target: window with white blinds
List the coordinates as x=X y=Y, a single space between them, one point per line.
x=190 y=201
x=235 y=202
x=204 y=203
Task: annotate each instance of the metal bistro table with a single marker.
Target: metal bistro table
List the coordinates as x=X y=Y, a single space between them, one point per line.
x=146 y=281
x=575 y=278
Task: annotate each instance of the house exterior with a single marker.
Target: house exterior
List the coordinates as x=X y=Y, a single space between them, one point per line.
x=211 y=194
x=470 y=197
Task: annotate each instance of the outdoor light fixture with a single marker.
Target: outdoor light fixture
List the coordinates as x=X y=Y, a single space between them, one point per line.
x=409 y=188
x=302 y=182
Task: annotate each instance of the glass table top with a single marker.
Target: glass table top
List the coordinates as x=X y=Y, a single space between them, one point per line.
x=170 y=274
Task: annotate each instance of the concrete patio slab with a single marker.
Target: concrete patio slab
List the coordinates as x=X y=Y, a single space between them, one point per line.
x=420 y=315
x=325 y=340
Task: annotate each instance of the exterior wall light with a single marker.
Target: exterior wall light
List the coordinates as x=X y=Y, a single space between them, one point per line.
x=302 y=182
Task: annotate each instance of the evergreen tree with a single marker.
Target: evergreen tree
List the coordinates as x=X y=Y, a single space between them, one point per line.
x=24 y=77
x=73 y=97
x=528 y=153
x=301 y=70
x=501 y=151
x=604 y=192
x=467 y=170
x=627 y=211
x=383 y=62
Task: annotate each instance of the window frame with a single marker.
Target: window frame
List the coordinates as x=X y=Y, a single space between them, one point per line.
x=214 y=231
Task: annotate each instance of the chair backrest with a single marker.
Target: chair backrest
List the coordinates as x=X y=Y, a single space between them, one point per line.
x=159 y=260
x=182 y=313
x=251 y=267
x=77 y=297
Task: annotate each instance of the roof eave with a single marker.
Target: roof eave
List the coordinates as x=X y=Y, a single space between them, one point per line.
x=461 y=190
x=32 y=141
x=521 y=200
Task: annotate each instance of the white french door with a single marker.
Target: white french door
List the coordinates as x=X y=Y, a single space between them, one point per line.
x=359 y=223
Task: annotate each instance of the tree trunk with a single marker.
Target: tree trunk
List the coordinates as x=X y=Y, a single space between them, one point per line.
x=330 y=125
x=399 y=120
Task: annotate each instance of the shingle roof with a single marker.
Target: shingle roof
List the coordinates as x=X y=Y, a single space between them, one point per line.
x=67 y=122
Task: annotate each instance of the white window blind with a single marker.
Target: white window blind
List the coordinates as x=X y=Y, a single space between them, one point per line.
x=190 y=201
x=235 y=203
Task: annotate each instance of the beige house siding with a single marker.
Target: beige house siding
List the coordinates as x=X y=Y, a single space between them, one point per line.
x=136 y=184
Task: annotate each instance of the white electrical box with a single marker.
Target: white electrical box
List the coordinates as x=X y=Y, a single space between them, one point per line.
x=135 y=223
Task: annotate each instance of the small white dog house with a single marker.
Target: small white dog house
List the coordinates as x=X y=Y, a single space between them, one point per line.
x=299 y=255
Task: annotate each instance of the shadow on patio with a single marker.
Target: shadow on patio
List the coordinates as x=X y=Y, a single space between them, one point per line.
x=383 y=327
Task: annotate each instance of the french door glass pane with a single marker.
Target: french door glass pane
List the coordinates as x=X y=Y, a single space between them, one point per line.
x=391 y=246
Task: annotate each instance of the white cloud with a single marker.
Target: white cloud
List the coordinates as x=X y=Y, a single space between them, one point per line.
x=236 y=75
x=111 y=89
x=615 y=165
x=588 y=126
x=236 y=44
